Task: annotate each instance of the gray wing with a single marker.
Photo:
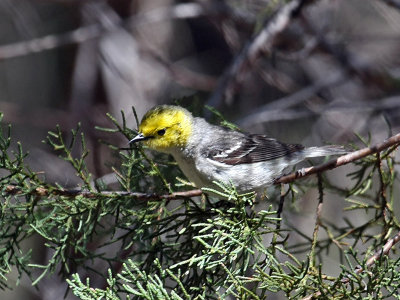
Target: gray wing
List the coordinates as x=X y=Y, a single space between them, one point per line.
x=250 y=148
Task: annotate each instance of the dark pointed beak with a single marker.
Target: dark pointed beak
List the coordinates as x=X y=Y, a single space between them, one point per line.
x=138 y=138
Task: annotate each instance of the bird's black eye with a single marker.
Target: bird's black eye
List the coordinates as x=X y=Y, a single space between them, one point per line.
x=161 y=132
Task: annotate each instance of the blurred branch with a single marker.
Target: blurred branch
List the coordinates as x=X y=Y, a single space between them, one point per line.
x=278 y=79
x=50 y=42
x=23 y=16
x=305 y=93
x=279 y=109
x=394 y=3
x=351 y=63
x=182 y=75
x=340 y=161
x=265 y=112
x=260 y=44
x=303 y=53
x=46 y=117
x=82 y=34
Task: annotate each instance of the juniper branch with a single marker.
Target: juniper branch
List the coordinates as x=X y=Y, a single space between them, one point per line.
x=369 y=263
x=46 y=191
x=334 y=163
x=372 y=260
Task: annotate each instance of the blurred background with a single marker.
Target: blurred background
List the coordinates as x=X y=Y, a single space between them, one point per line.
x=333 y=71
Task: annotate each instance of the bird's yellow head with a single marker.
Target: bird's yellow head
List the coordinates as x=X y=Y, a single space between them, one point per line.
x=165 y=127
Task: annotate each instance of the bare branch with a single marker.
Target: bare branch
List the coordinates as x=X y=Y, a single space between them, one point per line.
x=340 y=161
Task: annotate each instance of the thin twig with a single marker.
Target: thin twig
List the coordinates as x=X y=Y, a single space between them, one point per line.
x=278 y=224
x=340 y=161
x=317 y=222
x=382 y=195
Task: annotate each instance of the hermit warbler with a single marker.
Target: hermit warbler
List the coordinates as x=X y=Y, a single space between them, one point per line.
x=208 y=153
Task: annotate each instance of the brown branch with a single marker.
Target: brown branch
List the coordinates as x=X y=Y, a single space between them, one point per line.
x=44 y=191
x=340 y=161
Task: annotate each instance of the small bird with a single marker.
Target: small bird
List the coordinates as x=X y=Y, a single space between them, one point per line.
x=207 y=153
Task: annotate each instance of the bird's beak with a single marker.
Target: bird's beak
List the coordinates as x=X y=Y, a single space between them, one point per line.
x=138 y=138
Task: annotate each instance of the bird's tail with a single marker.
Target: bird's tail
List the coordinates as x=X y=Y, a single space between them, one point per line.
x=324 y=151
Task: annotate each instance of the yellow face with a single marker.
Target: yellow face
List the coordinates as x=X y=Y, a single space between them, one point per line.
x=165 y=127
